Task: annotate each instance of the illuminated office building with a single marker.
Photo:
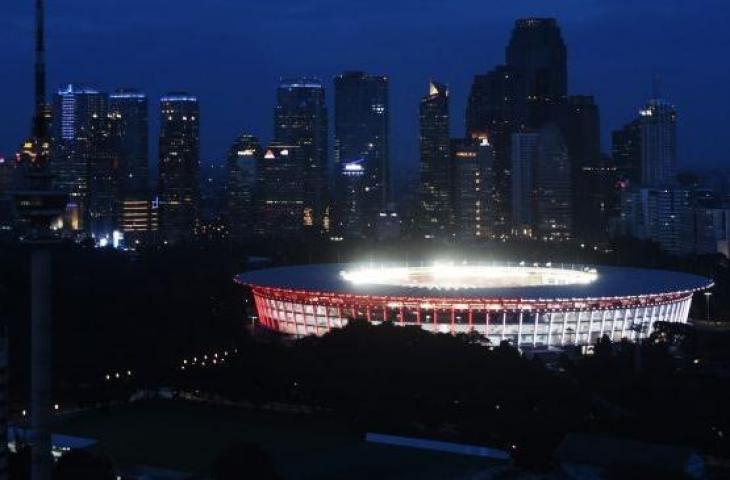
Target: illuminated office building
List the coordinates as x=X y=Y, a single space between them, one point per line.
x=300 y=119
x=179 y=166
x=244 y=158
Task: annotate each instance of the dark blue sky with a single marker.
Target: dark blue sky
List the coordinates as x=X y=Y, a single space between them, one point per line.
x=231 y=53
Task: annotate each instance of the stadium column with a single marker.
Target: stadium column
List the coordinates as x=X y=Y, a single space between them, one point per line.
x=504 y=324
x=534 y=329
x=471 y=319
x=550 y=327
x=327 y=316
x=402 y=315
x=577 y=328
x=453 y=319
x=603 y=323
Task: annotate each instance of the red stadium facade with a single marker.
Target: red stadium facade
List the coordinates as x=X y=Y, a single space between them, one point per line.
x=520 y=319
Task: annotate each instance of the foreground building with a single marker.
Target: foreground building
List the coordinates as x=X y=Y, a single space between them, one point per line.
x=529 y=306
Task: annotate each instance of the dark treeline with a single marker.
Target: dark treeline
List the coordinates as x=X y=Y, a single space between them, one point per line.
x=405 y=380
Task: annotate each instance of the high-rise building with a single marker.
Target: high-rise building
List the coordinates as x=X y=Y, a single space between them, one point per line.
x=79 y=146
x=300 y=118
x=129 y=127
x=473 y=188
x=553 y=186
x=662 y=215
x=495 y=110
x=179 y=166
x=8 y=182
x=129 y=118
x=658 y=130
x=435 y=205
x=281 y=196
x=351 y=218
x=362 y=117
x=536 y=49
x=579 y=122
x=524 y=157
x=541 y=185
x=626 y=153
x=244 y=158
x=710 y=227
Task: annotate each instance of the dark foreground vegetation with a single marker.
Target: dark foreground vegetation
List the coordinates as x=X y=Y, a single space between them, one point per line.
x=125 y=322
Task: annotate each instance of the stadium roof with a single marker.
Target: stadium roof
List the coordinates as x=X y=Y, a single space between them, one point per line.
x=610 y=282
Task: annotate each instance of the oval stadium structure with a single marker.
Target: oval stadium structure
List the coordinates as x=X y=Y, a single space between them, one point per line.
x=531 y=306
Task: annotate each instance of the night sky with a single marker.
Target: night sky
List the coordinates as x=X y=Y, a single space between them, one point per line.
x=231 y=53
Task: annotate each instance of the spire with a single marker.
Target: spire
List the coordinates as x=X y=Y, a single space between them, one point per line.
x=40 y=119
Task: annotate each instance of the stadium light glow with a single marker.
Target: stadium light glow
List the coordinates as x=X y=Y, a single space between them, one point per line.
x=455 y=277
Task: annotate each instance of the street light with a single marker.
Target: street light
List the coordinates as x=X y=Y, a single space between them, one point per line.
x=707 y=299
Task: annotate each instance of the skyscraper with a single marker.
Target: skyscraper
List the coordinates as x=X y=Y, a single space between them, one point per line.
x=179 y=166
x=626 y=152
x=663 y=215
x=658 y=129
x=579 y=122
x=129 y=126
x=300 y=118
x=435 y=205
x=243 y=162
x=129 y=119
x=362 y=117
x=524 y=157
x=537 y=50
x=351 y=217
x=495 y=110
x=78 y=142
x=541 y=184
x=281 y=197
x=472 y=188
x=553 y=186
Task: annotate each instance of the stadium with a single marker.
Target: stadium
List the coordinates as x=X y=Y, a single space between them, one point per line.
x=531 y=306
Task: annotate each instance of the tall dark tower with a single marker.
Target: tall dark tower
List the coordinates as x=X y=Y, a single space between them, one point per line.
x=179 y=166
x=34 y=154
x=361 y=138
x=300 y=118
x=435 y=211
x=537 y=49
x=37 y=207
x=41 y=118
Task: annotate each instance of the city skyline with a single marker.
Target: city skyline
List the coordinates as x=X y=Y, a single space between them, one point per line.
x=620 y=79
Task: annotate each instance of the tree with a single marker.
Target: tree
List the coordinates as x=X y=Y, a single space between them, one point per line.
x=242 y=461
